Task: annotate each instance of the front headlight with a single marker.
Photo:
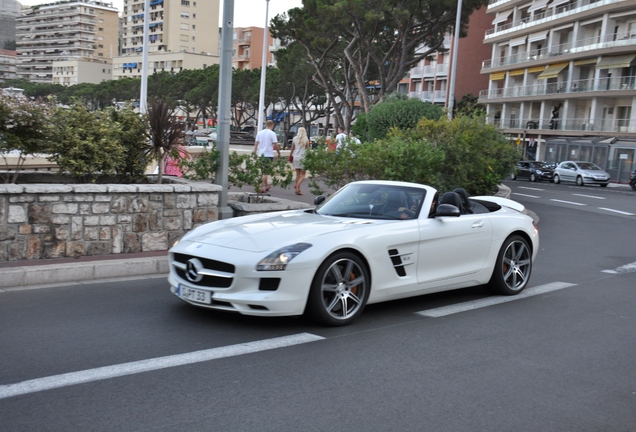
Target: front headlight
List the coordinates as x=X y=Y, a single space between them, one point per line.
x=278 y=260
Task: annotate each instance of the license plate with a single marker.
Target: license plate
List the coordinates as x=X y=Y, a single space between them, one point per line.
x=195 y=295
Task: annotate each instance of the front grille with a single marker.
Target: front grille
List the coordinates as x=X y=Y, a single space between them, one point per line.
x=209 y=266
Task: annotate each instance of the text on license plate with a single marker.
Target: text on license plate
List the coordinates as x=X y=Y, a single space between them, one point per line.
x=195 y=295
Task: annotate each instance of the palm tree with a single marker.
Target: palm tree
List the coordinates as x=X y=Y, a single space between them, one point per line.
x=165 y=131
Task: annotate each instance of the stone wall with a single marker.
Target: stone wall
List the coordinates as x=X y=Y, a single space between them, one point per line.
x=43 y=221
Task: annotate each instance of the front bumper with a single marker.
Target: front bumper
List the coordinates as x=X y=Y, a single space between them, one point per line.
x=247 y=291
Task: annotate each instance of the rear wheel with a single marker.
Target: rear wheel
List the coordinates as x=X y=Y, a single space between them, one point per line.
x=513 y=267
x=556 y=179
x=340 y=290
x=579 y=181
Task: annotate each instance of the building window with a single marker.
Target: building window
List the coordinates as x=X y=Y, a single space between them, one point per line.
x=194 y=27
x=185 y=15
x=185 y=2
x=101 y=29
x=100 y=46
x=184 y=38
x=194 y=15
x=185 y=27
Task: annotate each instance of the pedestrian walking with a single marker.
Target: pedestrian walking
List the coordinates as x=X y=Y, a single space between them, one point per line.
x=340 y=138
x=265 y=145
x=300 y=144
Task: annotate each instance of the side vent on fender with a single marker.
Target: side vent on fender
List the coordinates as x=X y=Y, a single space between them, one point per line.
x=398 y=262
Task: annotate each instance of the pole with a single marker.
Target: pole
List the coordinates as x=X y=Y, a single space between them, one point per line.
x=261 y=97
x=225 y=102
x=451 y=91
x=143 y=97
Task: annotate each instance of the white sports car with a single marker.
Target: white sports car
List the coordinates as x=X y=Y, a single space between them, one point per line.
x=372 y=241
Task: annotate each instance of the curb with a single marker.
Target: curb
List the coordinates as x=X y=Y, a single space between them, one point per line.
x=18 y=277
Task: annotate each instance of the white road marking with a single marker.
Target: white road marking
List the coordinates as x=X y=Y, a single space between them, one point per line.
x=531 y=188
x=616 y=211
x=525 y=195
x=590 y=196
x=568 y=202
x=627 y=268
x=107 y=372
x=489 y=301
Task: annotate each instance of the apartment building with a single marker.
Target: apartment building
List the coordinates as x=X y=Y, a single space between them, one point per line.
x=429 y=80
x=9 y=10
x=62 y=30
x=78 y=70
x=182 y=35
x=8 y=67
x=247 y=48
x=562 y=78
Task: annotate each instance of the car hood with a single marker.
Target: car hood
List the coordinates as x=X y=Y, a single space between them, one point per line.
x=594 y=173
x=270 y=231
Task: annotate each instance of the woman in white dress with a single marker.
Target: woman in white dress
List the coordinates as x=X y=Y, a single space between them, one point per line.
x=300 y=144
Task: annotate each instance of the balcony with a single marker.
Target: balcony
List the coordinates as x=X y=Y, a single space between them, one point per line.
x=620 y=84
x=571 y=125
x=577 y=47
x=549 y=15
x=416 y=73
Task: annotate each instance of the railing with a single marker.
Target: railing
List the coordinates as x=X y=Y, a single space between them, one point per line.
x=587 y=85
x=550 y=14
x=579 y=46
x=570 y=124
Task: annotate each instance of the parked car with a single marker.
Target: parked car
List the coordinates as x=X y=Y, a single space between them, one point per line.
x=372 y=241
x=533 y=171
x=632 y=180
x=582 y=173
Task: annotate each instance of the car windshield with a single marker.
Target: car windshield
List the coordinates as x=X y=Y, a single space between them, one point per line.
x=540 y=165
x=374 y=201
x=588 y=166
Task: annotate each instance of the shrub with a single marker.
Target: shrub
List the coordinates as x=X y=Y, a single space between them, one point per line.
x=400 y=114
x=202 y=167
x=131 y=135
x=23 y=130
x=86 y=143
x=248 y=169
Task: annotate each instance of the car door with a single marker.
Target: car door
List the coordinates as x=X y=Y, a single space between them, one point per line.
x=566 y=171
x=524 y=170
x=452 y=247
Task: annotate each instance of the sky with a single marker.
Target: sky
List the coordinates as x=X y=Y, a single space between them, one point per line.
x=247 y=13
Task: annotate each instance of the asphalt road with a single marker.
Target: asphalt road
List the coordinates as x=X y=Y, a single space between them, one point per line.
x=128 y=356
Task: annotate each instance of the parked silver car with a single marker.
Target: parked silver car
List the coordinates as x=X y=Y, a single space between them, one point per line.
x=581 y=173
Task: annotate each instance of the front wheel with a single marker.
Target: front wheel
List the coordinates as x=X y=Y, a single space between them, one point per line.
x=556 y=179
x=340 y=290
x=513 y=267
x=633 y=185
x=579 y=181
x=533 y=177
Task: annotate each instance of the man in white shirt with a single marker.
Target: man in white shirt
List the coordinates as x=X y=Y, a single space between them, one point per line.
x=340 y=138
x=265 y=145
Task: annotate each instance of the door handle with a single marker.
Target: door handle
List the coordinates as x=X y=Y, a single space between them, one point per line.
x=478 y=224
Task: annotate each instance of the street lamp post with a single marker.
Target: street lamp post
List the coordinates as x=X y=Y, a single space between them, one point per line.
x=451 y=90
x=143 y=97
x=261 y=98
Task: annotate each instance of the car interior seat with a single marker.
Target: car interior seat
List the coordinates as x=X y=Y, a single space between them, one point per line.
x=467 y=206
x=453 y=198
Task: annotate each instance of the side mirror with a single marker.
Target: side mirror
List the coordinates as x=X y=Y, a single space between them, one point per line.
x=447 y=210
x=319 y=200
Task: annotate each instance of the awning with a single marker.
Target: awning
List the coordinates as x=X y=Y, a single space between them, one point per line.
x=536 y=37
x=501 y=17
x=132 y=65
x=553 y=71
x=536 y=69
x=559 y=2
x=518 y=41
x=497 y=76
x=537 y=4
x=611 y=62
x=585 y=62
x=516 y=72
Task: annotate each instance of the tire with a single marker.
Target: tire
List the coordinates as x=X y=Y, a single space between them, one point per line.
x=513 y=267
x=633 y=185
x=533 y=177
x=579 y=181
x=603 y=184
x=340 y=290
x=556 y=179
